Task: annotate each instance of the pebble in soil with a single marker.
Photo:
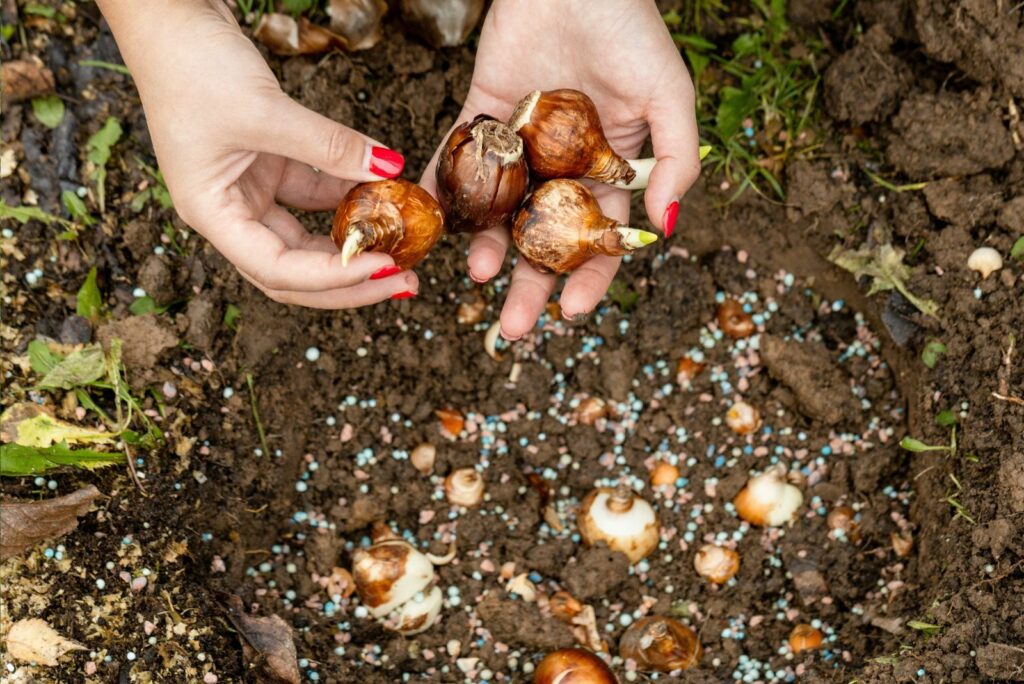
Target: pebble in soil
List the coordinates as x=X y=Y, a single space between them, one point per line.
x=802 y=573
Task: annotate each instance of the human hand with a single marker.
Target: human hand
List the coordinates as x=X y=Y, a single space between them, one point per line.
x=235 y=150
x=620 y=54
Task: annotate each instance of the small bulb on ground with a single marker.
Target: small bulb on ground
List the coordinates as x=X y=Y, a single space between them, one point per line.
x=768 y=499
x=573 y=666
x=985 y=261
x=422 y=458
x=716 y=564
x=621 y=519
x=742 y=418
x=804 y=638
x=464 y=487
x=660 y=644
x=664 y=474
x=734 y=321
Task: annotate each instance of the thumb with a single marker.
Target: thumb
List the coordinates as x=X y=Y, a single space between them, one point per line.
x=675 y=140
x=296 y=132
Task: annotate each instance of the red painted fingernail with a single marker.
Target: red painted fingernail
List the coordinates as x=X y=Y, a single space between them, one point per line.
x=669 y=219
x=403 y=295
x=385 y=272
x=385 y=163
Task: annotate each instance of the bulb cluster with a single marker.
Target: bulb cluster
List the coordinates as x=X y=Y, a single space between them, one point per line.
x=483 y=180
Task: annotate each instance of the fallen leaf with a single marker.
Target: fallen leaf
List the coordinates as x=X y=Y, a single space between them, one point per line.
x=34 y=641
x=884 y=265
x=76 y=369
x=23 y=524
x=267 y=647
x=23 y=79
x=452 y=422
x=29 y=424
x=18 y=461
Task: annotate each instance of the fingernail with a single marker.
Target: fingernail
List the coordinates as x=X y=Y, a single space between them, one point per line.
x=403 y=295
x=669 y=219
x=385 y=163
x=577 y=319
x=385 y=272
x=507 y=337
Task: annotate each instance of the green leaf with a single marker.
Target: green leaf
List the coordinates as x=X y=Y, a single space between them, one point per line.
x=672 y=18
x=145 y=305
x=693 y=41
x=49 y=109
x=735 y=106
x=88 y=301
x=931 y=352
x=1017 y=251
x=110 y=66
x=18 y=461
x=41 y=358
x=231 y=316
x=102 y=140
x=946 y=418
x=917 y=446
x=928 y=628
x=24 y=214
x=698 y=63
x=295 y=7
x=40 y=10
x=76 y=369
x=140 y=200
x=76 y=207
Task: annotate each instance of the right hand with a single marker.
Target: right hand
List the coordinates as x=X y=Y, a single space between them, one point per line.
x=234 y=150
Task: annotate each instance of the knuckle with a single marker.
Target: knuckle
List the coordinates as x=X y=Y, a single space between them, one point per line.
x=340 y=145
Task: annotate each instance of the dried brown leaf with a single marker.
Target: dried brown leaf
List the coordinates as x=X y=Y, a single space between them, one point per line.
x=23 y=524
x=267 y=647
x=24 y=79
x=34 y=641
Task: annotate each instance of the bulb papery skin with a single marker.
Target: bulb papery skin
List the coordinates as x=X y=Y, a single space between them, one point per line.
x=661 y=644
x=768 y=500
x=716 y=563
x=389 y=573
x=620 y=519
x=357 y=21
x=482 y=175
x=442 y=23
x=560 y=226
x=464 y=487
x=742 y=418
x=564 y=138
x=392 y=216
x=573 y=666
x=418 y=613
x=734 y=321
x=804 y=637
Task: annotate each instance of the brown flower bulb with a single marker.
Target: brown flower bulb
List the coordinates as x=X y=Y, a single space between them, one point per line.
x=734 y=321
x=285 y=36
x=481 y=175
x=392 y=216
x=560 y=226
x=664 y=474
x=357 y=21
x=564 y=139
x=442 y=23
x=804 y=638
x=661 y=644
x=573 y=666
x=564 y=606
x=716 y=564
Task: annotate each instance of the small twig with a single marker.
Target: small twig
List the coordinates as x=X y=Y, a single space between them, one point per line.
x=1009 y=398
x=130 y=460
x=256 y=414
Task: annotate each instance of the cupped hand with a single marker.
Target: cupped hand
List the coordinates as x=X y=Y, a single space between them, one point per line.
x=235 y=151
x=620 y=54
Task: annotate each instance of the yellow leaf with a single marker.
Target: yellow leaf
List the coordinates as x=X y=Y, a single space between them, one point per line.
x=30 y=425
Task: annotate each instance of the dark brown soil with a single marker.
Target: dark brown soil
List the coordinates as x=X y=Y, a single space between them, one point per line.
x=924 y=93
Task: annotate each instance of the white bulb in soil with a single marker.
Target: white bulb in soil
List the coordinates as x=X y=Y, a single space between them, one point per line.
x=985 y=261
x=768 y=499
x=620 y=519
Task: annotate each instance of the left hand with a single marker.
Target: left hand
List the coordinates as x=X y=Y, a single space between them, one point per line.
x=620 y=53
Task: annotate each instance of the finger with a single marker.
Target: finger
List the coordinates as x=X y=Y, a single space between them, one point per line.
x=396 y=287
x=290 y=130
x=293 y=234
x=487 y=253
x=587 y=285
x=256 y=249
x=302 y=187
x=527 y=296
x=676 y=142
